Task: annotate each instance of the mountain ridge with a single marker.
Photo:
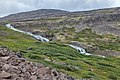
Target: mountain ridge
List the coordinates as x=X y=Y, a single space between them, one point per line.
x=40 y=13
x=54 y=11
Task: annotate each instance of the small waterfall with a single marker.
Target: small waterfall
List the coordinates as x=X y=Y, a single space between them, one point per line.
x=81 y=50
x=38 y=37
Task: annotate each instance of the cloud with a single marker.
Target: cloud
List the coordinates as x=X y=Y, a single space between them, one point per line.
x=14 y=6
x=116 y=3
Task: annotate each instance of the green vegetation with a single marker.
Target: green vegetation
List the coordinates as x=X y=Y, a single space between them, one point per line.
x=88 y=37
x=63 y=57
x=67 y=32
x=103 y=42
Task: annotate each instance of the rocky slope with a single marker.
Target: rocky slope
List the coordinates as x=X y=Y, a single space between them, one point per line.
x=14 y=67
x=59 y=56
x=98 y=31
x=103 y=21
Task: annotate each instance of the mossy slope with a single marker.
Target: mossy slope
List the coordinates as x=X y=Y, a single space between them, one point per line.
x=61 y=57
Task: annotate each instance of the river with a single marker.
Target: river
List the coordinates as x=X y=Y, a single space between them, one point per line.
x=40 y=38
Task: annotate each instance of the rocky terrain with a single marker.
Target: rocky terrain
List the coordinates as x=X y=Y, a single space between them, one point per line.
x=103 y=21
x=14 y=67
x=63 y=26
x=97 y=31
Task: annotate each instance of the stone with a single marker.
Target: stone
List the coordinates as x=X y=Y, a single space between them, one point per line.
x=18 y=72
x=5 y=58
x=14 y=67
x=5 y=75
x=33 y=78
x=70 y=78
x=19 y=78
x=19 y=55
x=46 y=59
x=23 y=70
x=6 y=67
x=4 y=52
x=55 y=73
x=91 y=70
x=30 y=48
x=39 y=65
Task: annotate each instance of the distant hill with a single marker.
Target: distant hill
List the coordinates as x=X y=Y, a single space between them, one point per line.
x=108 y=14
x=37 y=14
x=102 y=21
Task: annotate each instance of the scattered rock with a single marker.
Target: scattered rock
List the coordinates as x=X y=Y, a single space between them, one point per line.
x=33 y=78
x=4 y=52
x=46 y=59
x=55 y=73
x=6 y=67
x=30 y=48
x=70 y=78
x=91 y=70
x=5 y=75
x=19 y=55
x=5 y=58
x=14 y=67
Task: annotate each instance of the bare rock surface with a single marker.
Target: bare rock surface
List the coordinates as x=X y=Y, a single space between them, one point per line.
x=13 y=67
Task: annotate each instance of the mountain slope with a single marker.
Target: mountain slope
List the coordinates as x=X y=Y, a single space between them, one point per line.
x=97 y=30
x=103 y=21
x=61 y=57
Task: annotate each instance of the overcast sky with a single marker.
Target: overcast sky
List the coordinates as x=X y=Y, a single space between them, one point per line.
x=15 y=6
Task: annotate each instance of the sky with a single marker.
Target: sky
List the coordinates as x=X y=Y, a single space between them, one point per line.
x=14 y=6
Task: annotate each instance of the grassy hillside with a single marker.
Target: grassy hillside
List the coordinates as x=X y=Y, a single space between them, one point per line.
x=90 y=38
x=62 y=57
x=98 y=32
x=106 y=44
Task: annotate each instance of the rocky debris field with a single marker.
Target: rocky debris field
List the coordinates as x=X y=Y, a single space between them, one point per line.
x=14 y=67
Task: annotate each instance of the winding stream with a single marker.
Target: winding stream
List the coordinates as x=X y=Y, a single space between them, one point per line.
x=40 y=38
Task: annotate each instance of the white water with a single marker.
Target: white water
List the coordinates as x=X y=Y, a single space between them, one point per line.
x=83 y=51
x=38 y=37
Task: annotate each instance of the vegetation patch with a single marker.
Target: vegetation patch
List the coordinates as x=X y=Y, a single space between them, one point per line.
x=62 y=57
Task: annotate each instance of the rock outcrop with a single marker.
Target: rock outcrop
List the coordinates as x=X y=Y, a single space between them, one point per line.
x=14 y=67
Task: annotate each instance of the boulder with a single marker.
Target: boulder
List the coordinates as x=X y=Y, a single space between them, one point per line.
x=33 y=78
x=5 y=75
x=4 y=52
x=6 y=67
x=5 y=58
